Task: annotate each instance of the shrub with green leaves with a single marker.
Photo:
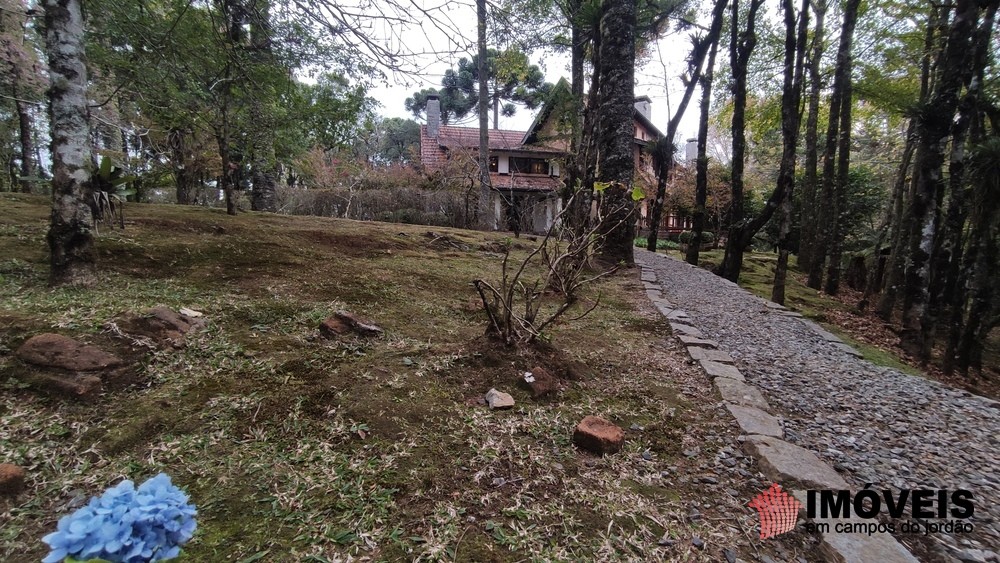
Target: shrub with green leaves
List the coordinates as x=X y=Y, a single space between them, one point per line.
x=707 y=237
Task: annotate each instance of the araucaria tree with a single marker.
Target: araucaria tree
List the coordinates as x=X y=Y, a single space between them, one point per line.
x=70 y=237
x=508 y=76
x=615 y=129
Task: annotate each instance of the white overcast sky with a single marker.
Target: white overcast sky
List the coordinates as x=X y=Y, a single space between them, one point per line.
x=457 y=32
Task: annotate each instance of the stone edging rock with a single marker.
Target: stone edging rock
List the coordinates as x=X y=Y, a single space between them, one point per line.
x=787 y=464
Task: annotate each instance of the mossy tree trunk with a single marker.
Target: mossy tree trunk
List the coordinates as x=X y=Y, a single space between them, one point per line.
x=934 y=127
x=791 y=96
x=70 y=236
x=616 y=129
x=701 y=165
x=741 y=45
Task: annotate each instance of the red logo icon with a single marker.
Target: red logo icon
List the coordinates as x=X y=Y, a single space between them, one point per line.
x=778 y=511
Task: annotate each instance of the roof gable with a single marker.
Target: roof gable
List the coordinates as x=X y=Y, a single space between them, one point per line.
x=543 y=129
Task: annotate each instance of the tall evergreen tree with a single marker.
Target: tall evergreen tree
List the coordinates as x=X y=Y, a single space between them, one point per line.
x=616 y=132
x=70 y=236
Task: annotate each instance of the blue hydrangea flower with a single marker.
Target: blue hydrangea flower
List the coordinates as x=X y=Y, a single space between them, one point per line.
x=126 y=525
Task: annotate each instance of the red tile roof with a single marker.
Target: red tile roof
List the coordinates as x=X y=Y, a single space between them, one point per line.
x=450 y=136
x=468 y=137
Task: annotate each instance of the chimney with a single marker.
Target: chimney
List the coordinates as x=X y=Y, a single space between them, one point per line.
x=691 y=150
x=433 y=116
x=643 y=105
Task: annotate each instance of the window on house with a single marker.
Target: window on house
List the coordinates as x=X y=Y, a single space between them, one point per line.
x=494 y=164
x=522 y=165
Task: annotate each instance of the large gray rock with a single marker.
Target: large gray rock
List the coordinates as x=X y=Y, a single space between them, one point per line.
x=686 y=329
x=499 y=400
x=755 y=421
x=738 y=392
x=849 y=548
x=822 y=332
x=791 y=465
x=698 y=353
x=693 y=341
x=716 y=369
x=848 y=349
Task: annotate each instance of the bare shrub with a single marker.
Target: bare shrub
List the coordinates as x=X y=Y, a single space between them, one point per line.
x=561 y=264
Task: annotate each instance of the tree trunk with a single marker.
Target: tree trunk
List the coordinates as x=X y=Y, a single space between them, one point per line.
x=617 y=134
x=496 y=112
x=664 y=163
x=830 y=207
x=577 y=56
x=487 y=221
x=983 y=258
x=741 y=46
x=838 y=229
x=28 y=164
x=958 y=210
x=185 y=175
x=933 y=128
x=701 y=165
x=791 y=96
x=70 y=236
x=263 y=196
x=881 y=275
x=936 y=27
x=807 y=235
x=589 y=144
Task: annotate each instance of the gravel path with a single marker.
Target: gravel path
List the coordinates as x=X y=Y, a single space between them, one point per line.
x=872 y=424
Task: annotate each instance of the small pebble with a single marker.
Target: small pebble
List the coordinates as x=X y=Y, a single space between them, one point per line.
x=666 y=542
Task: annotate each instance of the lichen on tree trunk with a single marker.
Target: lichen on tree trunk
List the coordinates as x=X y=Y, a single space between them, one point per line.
x=616 y=129
x=70 y=236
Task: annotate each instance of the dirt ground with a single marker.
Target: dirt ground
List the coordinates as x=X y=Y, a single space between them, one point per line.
x=298 y=447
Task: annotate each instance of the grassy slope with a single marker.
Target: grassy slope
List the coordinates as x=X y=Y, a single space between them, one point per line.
x=301 y=448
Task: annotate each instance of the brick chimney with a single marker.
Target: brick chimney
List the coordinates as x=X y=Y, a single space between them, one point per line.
x=644 y=105
x=433 y=116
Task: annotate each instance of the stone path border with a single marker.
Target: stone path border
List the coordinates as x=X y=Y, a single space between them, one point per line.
x=791 y=466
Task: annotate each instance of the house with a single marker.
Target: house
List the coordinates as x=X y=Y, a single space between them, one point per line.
x=525 y=166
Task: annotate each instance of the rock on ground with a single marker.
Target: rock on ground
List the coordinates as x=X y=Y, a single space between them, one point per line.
x=343 y=322
x=162 y=325
x=57 y=351
x=11 y=479
x=499 y=400
x=598 y=435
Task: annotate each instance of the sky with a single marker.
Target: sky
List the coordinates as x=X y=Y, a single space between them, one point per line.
x=439 y=47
